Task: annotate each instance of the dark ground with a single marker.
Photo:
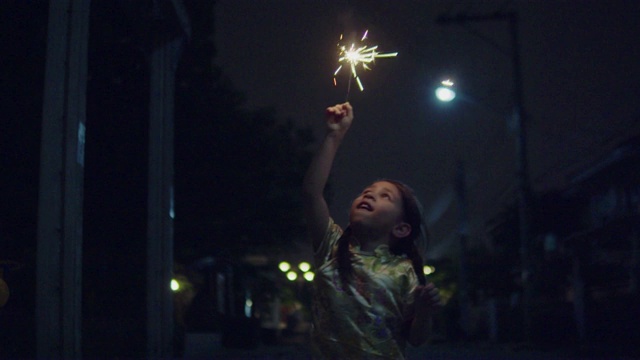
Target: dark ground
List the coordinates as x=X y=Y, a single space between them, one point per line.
x=203 y=345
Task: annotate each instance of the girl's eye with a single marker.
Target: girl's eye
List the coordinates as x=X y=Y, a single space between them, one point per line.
x=386 y=196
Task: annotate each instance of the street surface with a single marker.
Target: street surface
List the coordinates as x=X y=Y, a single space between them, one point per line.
x=201 y=346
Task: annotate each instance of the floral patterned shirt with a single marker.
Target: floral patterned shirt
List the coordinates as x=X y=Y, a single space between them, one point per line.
x=366 y=320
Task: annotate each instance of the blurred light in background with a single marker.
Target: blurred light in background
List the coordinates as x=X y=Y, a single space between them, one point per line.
x=284 y=266
x=308 y=276
x=428 y=269
x=303 y=271
x=175 y=285
x=248 y=304
x=304 y=266
x=292 y=275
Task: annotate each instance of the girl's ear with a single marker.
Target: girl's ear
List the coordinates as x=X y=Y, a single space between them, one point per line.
x=401 y=230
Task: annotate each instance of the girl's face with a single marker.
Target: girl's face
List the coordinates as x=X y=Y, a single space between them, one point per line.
x=378 y=207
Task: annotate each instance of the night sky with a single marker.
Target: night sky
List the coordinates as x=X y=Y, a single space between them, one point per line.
x=580 y=75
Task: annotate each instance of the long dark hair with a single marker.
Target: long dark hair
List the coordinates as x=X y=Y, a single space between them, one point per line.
x=412 y=214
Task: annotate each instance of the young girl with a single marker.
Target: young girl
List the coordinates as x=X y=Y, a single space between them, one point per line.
x=371 y=295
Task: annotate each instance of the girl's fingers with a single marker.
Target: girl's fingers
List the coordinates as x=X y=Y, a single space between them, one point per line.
x=429 y=294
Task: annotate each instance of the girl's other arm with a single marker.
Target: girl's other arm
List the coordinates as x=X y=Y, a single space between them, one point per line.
x=427 y=302
x=316 y=211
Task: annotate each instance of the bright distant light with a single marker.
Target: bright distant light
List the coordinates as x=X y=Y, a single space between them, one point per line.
x=284 y=266
x=291 y=275
x=427 y=269
x=447 y=83
x=309 y=276
x=304 y=266
x=445 y=92
x=175 y=285
x=247 y=307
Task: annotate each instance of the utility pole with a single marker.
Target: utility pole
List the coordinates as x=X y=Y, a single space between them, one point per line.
x=463 y=234
x=519 y=122
x=166 y=49
x=59 y=252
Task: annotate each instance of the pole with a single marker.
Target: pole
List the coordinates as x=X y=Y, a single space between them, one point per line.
x=463 y=234
x=59 y=252
x=519 y=122
x=524 y=191
x=165 y=54
x=160 y=202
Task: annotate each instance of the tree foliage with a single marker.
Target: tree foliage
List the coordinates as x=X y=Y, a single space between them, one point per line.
x=238 y=171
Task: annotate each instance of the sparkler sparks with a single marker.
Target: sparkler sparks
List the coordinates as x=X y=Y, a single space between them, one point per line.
x=353 y=57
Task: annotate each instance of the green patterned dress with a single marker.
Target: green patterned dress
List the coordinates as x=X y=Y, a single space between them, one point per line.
x=368 y=319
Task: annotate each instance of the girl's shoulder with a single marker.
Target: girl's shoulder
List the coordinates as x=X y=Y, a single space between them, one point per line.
x=327 y=247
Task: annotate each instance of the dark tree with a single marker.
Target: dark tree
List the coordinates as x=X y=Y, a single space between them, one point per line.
x=238 y=172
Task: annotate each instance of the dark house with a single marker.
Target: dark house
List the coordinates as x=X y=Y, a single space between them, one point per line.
x=586 y=254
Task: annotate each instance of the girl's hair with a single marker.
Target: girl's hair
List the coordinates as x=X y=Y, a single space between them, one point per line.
x=412 y=214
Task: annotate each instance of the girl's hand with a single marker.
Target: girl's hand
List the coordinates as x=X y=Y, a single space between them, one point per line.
x=427 y=299
x=339 y=117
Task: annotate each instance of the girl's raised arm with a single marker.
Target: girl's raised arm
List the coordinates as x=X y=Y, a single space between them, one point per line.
x=316 y=211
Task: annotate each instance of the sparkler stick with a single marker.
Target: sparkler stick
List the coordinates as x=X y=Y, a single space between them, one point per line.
x=353 y=56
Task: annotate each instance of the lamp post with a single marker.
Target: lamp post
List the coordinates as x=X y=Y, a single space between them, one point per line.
x=518 y=117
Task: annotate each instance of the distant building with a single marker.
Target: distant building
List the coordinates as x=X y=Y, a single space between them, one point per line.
x=586 y=253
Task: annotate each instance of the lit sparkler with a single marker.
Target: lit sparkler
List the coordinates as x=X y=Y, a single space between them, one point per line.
x=354 y=56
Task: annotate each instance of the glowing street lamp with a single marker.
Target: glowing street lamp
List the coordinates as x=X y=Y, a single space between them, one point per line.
x=445 y=91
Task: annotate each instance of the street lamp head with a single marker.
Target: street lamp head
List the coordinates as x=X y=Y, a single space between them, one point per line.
x=445 y=91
